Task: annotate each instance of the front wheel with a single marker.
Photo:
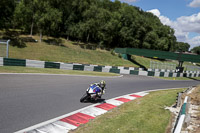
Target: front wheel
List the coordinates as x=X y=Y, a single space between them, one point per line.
x=84 y=97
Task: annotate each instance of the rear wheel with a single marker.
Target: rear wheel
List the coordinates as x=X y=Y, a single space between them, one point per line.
x=84 y=97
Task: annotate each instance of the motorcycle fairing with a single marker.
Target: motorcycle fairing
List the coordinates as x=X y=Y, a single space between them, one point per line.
x=93 y=89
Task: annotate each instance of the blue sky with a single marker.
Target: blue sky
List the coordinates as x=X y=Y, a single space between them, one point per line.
x=181 y=15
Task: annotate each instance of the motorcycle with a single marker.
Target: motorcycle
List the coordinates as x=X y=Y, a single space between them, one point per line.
x=92 y=94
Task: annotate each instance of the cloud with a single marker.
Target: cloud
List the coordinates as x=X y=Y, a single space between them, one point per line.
x=155 y=12
x=195 y=3
x=190 y=23
x=182 y=26
x=195 y=41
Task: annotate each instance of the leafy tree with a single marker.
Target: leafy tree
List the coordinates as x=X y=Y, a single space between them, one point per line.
x=112 y=24
x=39 y=13
x=196 y=50
x=7 y=8
x=24 y=15
x=181 y=46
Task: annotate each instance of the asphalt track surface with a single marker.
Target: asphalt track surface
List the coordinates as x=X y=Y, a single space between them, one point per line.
x=26 y=100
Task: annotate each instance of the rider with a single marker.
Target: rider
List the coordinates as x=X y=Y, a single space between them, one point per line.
x=102 y=86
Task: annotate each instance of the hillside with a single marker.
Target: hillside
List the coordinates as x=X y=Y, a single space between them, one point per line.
x=105 y=23
x=62 y=50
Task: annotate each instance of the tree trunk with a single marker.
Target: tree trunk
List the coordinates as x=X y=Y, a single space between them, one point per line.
x=31 y=33
x=88 y=37
x=40 y=35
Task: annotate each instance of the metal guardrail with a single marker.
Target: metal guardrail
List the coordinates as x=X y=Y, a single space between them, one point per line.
x=7 y=49
x=181 y=117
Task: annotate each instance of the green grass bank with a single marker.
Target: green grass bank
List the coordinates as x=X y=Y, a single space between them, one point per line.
x=15 y=69
x=63 y=50
x=143 y=115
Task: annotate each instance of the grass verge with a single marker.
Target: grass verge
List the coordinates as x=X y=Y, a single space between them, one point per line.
x=15 y=69
x=143 y=115
x=179 y=78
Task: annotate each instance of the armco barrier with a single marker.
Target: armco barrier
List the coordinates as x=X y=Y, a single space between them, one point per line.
x=81 y=67
x=182 y=117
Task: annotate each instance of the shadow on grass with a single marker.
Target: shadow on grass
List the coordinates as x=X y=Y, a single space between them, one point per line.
x=56 y=42
x=137 y=63
x=90 y=46
x=17 y=41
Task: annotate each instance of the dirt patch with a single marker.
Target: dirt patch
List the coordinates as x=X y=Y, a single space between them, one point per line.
x=193 y=126
x=192 y=118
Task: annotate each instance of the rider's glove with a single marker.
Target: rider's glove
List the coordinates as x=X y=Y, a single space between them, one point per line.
x=104 y=91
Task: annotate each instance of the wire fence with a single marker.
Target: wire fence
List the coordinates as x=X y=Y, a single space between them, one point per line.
x=159 y=65
x=192 y=68
x=4 y=48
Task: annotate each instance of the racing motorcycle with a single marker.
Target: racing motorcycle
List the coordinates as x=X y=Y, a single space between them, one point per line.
x=92 y=94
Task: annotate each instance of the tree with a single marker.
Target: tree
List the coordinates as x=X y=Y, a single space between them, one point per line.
x=39 y=13
x=7 y=8
x=196 y=50
x=24 y=15
x=181 y=46
x=112 y=24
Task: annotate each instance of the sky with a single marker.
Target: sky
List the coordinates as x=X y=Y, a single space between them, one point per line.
x=181 y=15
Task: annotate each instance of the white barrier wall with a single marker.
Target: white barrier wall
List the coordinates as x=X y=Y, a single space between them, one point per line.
x=88 y=68
x=1 y=61
x=35 y=63
x=66 y=66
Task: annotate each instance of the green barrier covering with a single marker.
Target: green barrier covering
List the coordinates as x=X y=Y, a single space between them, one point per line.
x=52 y=65
x=162 y=74
x=151 y=73
x=14 y=62
x=114 y=67
x=126 y=56
x=171 y=74
x=184 y=74
x=78 y=67
x=178 y=75
x=98 y=68
x=126 y=68
x=159 y=54
x=134 y=72
x=101 y=66
x=112 y=70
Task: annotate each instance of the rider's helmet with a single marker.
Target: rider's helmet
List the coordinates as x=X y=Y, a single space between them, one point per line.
x=102 y=83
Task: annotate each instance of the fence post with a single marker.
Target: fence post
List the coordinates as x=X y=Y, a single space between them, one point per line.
x=7 y=53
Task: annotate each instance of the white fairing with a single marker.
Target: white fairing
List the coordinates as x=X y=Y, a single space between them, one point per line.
x=90 y=91
x=92 y=94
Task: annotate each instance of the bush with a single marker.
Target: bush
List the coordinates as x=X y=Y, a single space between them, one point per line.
x=113 y=52
x=120 y=55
